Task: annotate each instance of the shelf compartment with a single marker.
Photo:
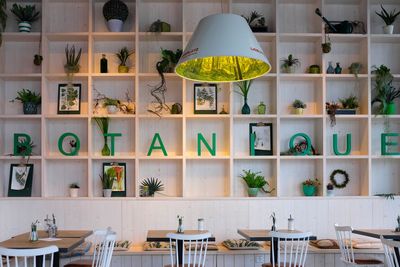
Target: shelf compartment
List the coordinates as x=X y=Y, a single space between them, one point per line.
x=58 y=179
x=383 y=54
x=67 y=16
x=384 y=176
x=267 y=168
x=12 y=23
x=97 y=170
x=197 y=182
x=56 y=57
x=357 y=170
x=295 y=172
x=380 y=126
x=16 y=57
x=169 y=172
x=170 y=12
x=376 y=23
x=100 y=24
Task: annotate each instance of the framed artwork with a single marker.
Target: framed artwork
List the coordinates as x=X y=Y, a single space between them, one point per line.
x=205 y=98
x=69 y=99
x=117 y=170
x=20 y=184
x=262 y=138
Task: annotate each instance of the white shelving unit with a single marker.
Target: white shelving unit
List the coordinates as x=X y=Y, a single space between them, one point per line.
x=294 y=29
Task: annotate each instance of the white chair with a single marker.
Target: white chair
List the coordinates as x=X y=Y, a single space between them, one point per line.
x=343 y=235
x=197 y=249
x=389 y=247
x=27 y=257
x=291 y=249
x=103 y=247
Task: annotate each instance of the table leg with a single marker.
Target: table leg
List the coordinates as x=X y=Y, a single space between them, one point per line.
x=396 y=251
x=180 y=251
x=275 y=252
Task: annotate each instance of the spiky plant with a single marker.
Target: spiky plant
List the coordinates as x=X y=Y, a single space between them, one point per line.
x=28 y=96
x=153 y=185
x=350 y=102
x=123 y=55
x=244 y=87
x=26 y=13
x=3 y=17
x=388 y=18
x=72 y=65
x=102 y=123
x=106 y=181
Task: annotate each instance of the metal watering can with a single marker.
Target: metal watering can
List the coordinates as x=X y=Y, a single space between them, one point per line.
x=339 y=27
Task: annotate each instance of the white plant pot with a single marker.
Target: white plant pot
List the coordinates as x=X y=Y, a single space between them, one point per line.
x=24 y=26
x=112 y=109
x=115 y=25
x=107 y=192
x=330 y=193
x=73 y=192
x=388 y=29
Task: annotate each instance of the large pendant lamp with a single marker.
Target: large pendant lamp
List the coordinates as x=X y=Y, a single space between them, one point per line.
x=222 y=49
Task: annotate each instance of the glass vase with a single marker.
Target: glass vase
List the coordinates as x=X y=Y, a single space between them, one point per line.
x=245 y=108
x=106 y=150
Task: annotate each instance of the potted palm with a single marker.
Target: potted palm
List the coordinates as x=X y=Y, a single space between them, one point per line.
x=385 y=92
x=115 y=12
x=26 y=15
x=123 y=56
x=290 y=64
x=298 y=106
x=74 y=190
x=389 y=18
x=150 y=186
x=255 y=182
x=244 y=87
x=107 y=182
x=30 y=101
x=310 y=187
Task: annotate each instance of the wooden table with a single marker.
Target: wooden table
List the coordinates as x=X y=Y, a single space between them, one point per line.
x=69 y=240
x=263 y=235
x=161 y=236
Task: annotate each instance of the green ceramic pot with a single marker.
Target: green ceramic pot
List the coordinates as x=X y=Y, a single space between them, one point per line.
x=309 y=190
x=390 y=109
x=252 y=192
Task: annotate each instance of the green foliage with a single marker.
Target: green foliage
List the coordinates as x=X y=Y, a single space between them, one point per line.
x=25 y=13
x=386 y=195
x=72 y=65
x=102 y=123
x=386 y=93
x=74 y=185
x=107 y=181
x=115 y=9
x=25 y=148
x=111 y=172
x=123 y=54
x=153 y=185
x=3 y=17
x=169 y=59
x=111 y=102
x=254 y=180
x=314 y=182
x=290 y=61
x=297 y=103
x=388 y=17
x=350 y=102
x=28 y=96
x=244 y=87
x=255 y=19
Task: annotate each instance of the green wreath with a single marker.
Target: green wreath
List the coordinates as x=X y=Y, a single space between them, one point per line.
x=342 y=184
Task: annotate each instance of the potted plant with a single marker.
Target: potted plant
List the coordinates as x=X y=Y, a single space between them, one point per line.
x=115 y=12
x=326 y=46
x=310 y=187
x=255 y=182
x=150 y=186
x=348 y=106
x=72 y=60
x=3 y=17
x=160 y=26
x=123 y=56
x=30 y=101
x=112 y=105
x=244 y=87
x=329 y=190
x=331 y=108
x=107 y=182
x=355 y=68
x=74 y=190
x=102 y=123
x=290 y=64
x=298 y=106
x=26 y=15
x=385 y=93
x=389 y=18
x=256 y=22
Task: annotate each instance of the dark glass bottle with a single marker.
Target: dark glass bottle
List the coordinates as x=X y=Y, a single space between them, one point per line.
x=103 y=64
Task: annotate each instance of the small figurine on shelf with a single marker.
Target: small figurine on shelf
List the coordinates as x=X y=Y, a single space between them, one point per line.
x=33 y=237
x=338 y=69
x=103 y=64
x=180 y=224
x=398 y=224
x=223 y=111
x=330 y=69
x=273 y=217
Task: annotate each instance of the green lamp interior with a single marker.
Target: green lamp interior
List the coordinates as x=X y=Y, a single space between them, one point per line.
x=222 y=69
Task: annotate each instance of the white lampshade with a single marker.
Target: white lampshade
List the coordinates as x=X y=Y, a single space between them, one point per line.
x=222 y=49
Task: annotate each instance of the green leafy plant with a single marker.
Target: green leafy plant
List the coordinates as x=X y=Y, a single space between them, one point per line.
x=28 y=96
x=255 y=19
x=151 y=185
x=331 y=108
x=355 y=68
x=299 y=104
x=314 y=182
x=107 y=181
x=74 y=185
x=289 y=62
x=25 y=13
x=123 y=54
x=72 y=65
x=386 y=93
x=169 y=59
x=3 y=17
x=388 y=17
x=102 y=123
x=254 y=180
x=350 y=102
x=111 y=102
x=244 y=87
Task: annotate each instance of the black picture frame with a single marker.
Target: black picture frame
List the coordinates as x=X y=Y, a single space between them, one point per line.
x=263 y=144
x=117 y=190
x=20 y=183
x=63 y=105
x=205 y=98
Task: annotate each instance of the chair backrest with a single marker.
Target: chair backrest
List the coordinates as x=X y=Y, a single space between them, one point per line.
x=292 y=248
x=343 y=235
x=104 y=241
x=197 y=249
x=27 y=257
x=389 y=248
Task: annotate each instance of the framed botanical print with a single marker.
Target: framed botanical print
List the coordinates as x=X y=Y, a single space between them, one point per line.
x=69 y=99
x=262 y=138
x=205 y=99
x=117 y=170
x=20 y=184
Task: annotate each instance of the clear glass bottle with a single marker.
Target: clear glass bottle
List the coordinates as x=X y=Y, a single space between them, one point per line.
x=261 y=108
x=103 y=64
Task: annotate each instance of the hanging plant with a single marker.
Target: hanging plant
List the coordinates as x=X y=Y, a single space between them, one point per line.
x=345 y=181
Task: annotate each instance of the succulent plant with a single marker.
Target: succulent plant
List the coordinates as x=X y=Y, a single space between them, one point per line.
x=153 y=185
x=388 y=18
x=123 y=55
x=107 y=181
x=26 y=13
x=72 y=65
x=28 y=96
x=115 y=9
